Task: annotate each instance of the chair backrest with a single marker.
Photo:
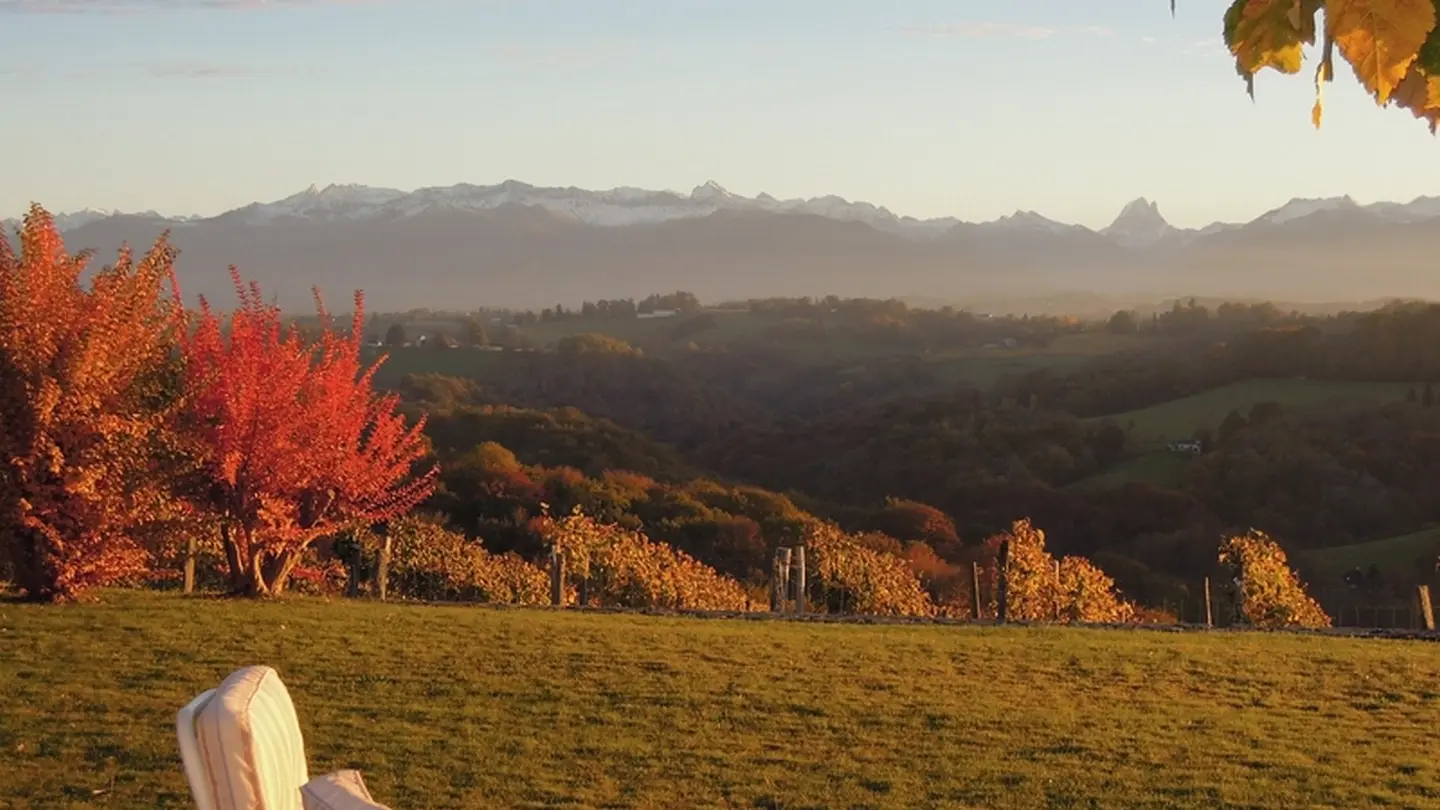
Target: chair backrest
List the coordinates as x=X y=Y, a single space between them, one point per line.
x=242 y=746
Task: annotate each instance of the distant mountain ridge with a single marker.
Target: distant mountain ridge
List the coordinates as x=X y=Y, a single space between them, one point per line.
x=1139 y=224
x=514 y=244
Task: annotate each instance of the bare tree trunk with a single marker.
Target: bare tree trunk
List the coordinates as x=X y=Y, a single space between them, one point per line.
x=277 y=569
x=232 y=557
x=32 y=566
x=255 y=578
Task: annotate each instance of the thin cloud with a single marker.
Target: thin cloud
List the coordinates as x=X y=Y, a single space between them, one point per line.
x=1209 y=48
x=154 y=6
x=539 y=56
x=192 y=70
x=1002 y=30
x=1148 y=40
x=979 y=29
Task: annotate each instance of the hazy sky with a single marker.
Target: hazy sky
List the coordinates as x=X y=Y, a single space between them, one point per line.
x=930 y=107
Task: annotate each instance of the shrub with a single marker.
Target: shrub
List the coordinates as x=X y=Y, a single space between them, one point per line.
x=87 y=391
x=624 y=568
x=1040 y=589
x=432 y=563
x=1270 y=594
x=856 y=578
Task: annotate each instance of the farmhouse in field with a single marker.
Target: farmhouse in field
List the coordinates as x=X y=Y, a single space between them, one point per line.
x=659 y=313
x=1189 y=448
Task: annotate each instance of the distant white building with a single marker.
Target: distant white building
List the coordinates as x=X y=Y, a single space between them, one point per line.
x=1191 y=448
x=659 y=313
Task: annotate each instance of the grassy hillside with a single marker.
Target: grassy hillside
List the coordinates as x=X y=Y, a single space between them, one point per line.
x=1392 y=552
x=976 y=366
x=1180 y=418
x=467 y=707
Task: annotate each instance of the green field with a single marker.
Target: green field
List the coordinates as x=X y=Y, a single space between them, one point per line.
x=976 y=366
x=471 y=707
x=1180 y=418
x=1392 y=552
x=404 y=360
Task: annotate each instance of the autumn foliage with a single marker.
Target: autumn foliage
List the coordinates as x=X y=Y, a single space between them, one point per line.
x=86 y=396
x=624 y=568
x=1391 y=45
x=430 y=562
x=1270 y=593
x=1038 y=588
x=297 y=446
x=853 y=577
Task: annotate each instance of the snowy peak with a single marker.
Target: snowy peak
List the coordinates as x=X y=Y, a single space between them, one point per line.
x=1033 y=222
x=1299 y=208
x=332 y=202
x=75 y=219
x=1140 y=224
x=711 y=190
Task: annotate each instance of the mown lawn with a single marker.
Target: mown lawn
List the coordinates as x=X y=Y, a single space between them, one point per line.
x=478 y=708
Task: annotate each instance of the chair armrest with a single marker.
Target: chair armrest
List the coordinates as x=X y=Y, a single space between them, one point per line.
x=341 y=790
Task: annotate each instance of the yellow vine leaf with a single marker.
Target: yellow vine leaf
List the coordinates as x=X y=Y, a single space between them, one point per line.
x=1379 y=38
x=1420 y=94
x=1268 y=33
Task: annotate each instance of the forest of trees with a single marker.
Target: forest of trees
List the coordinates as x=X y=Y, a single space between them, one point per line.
x=843 y=439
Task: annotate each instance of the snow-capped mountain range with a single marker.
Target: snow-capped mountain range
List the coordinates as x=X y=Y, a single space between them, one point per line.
x=1140 y=225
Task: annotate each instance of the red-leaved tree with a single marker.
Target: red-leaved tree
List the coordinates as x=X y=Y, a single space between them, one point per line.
x=87 y=388
x=298 y=444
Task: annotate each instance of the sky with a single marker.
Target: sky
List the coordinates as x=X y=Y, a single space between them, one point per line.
x=929 y=107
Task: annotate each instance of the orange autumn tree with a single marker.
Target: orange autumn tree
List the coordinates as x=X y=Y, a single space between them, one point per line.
x=298 y=445
x=87 y=388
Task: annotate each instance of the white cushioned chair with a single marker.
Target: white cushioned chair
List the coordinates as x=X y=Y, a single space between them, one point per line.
x=242 y=750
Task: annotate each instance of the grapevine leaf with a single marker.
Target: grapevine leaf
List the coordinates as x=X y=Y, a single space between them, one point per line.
x=1420 y=94
x=1380 y=38
x=1267 y=33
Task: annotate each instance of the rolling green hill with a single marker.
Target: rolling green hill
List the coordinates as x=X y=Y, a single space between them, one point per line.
x=1181 y=418
x=1392 y=552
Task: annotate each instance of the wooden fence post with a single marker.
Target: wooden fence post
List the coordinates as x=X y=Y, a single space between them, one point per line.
x=557 y=577
x=382 y=571
x=777 y=582
x=787 y=555
x=1427 y=610
x=1209 y=615
x=800 y=581
x=976 y=613
x=190 y=564
x=1002 y=591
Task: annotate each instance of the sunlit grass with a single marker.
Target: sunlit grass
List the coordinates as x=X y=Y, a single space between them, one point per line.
x=470 y=707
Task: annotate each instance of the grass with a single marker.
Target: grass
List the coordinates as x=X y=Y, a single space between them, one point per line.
x=404 y=360
x=1392 y=552
x=1180 y=418
x=469 y=707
